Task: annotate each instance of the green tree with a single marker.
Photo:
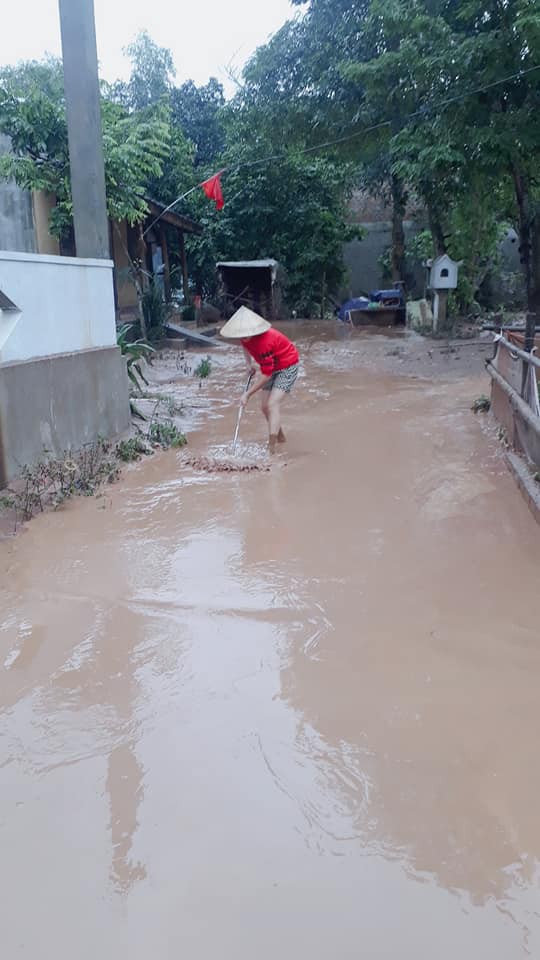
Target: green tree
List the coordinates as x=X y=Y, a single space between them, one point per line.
x=195 y=134
x=32 y=114
x=427 y=74
x=198 y=112
x=152 y=74
x=493 y=40
x=475 y=130
x=293 y=210
x=322 y=77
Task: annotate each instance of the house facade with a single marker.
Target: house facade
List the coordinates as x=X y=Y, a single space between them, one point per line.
x=24 y=227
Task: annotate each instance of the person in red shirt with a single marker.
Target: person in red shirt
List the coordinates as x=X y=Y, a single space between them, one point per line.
x=277 y=359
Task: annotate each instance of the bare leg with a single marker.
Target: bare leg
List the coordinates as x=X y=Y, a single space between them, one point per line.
x=274 y=409
x=265 y=404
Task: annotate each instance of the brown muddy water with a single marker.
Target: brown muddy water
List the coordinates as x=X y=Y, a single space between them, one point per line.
x=287 y=714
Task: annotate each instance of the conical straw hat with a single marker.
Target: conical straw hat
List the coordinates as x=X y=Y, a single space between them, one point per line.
x=244 y=323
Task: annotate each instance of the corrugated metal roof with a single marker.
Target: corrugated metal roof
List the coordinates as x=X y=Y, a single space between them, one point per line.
x=270 y=264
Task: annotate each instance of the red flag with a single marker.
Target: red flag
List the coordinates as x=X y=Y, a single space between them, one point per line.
x=213 y=191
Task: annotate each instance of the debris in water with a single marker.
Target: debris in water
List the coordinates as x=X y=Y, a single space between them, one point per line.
x=249 y=458
x=212 y=465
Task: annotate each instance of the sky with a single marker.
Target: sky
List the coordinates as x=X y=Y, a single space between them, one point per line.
x=205 y=36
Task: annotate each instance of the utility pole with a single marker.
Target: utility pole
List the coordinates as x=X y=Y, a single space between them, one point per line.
x=81 y=87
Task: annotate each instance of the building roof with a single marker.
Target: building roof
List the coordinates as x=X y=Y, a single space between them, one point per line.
x=178 y=220
x=245 y=264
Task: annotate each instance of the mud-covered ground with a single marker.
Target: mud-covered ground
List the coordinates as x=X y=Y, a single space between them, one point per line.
x=289 y=713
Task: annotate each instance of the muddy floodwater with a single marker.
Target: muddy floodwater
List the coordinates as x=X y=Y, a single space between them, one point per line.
x=288 y=714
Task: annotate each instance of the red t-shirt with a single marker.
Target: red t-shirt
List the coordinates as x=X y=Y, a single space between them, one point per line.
x=272 y=350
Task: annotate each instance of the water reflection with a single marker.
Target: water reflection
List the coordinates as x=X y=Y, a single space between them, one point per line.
x=125 y=787
x=413 y=708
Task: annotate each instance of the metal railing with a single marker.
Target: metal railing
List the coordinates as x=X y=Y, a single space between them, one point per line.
x=528 y=358
x=517 y=401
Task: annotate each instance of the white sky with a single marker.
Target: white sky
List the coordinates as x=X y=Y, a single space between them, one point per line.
x=204 y=35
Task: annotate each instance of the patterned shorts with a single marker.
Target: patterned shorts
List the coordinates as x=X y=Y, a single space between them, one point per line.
x=283 y=379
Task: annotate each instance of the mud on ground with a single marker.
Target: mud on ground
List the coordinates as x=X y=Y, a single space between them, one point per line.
x=286 y=714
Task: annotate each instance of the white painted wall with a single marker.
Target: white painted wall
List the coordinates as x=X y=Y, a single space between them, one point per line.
x=64 y=304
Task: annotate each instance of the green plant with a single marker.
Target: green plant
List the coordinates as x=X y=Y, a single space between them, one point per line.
x=173 y=408
x=204 y=369
x=156 y=311
x=32 y=114
x=134 y=351
x=166 y=434
x=132 y=449
x=53 y=480
x=481 y=405
x=188 y=314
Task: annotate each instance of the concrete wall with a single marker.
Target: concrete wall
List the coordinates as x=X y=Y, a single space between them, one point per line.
x=362 y=258
x=16 y=222
x=505 y=286
x=60 y=403
x=63 y=381
x=65 y=304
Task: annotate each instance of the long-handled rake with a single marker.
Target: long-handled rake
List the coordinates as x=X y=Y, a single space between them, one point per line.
x=240 y=412
x=226 y=460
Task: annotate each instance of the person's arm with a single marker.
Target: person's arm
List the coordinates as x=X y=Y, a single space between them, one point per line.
x=250 y=363
x=257 y=385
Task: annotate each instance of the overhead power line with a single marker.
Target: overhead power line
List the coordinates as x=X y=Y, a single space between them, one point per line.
x=422 y=113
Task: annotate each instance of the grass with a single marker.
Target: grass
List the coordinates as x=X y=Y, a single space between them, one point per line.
x=204 y=369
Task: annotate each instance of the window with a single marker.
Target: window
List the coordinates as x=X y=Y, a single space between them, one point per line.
x=444 y=272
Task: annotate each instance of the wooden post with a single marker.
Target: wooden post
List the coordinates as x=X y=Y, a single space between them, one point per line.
x=323 y=294
x=530 y=333
x=436 y=303
x=440 y=308
x=183 y=259
x=142 y=282
x=166 y=263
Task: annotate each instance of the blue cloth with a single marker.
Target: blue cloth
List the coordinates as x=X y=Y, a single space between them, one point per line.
x=360 y=303
x=386 y=295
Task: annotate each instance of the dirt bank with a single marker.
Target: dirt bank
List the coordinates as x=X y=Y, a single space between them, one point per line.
x=291 y=713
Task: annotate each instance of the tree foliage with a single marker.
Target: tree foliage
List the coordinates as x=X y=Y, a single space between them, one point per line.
x=198 y=112
x=434 y=98
x=195 y=135
x=152 y=74
x=32 y=114
x=434 y=101
x=293 y=211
